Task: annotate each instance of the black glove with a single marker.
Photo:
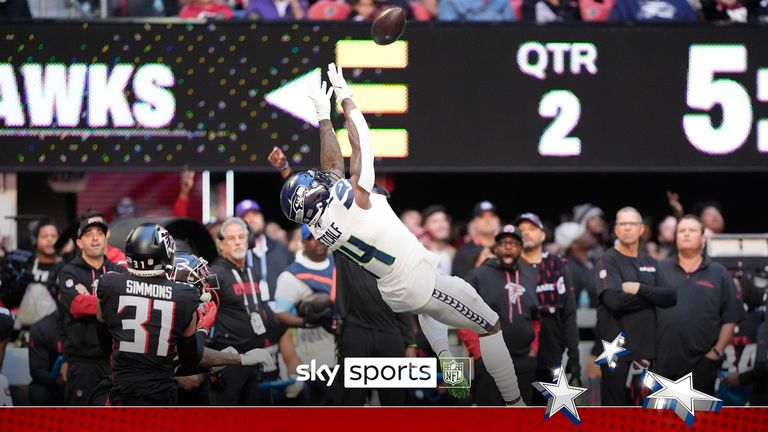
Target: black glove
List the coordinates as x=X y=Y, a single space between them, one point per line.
x=573 y=371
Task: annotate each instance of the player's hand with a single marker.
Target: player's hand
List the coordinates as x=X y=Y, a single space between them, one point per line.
x=321 y=97
x=410 y=352
x=340 y=87
x=206 y=317
x=257 y=356
x=630 y=287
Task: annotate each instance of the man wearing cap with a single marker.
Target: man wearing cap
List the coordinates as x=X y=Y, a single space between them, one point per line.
x=508 y=286
x=308 y=283
x=557 y=304
x=78 y=280
x=486 y=225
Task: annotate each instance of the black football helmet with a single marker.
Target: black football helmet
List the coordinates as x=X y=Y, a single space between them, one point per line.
x=193 y=270
x=149 y=250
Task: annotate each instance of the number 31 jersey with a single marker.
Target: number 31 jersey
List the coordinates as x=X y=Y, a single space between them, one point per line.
x=377 y=240
x=146 y=317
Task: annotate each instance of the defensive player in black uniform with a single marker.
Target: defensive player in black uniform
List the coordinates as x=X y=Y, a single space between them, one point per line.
x=151 y=318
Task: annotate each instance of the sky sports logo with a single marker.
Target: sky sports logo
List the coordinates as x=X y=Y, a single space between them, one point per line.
x=391 y=372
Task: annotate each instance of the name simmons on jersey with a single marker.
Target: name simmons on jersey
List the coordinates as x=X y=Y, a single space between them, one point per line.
x=148 y=290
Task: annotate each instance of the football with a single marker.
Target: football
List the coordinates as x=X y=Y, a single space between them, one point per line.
x=389 y=26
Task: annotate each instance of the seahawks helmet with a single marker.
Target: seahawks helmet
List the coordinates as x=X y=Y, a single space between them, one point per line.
x=305 y=194
x=193 y=270
x=149 y=250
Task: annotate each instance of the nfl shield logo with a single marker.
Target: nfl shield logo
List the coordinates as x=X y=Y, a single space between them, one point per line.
x=453 y=372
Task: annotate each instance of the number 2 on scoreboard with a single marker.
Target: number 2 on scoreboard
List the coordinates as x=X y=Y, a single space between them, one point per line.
x=565 y=109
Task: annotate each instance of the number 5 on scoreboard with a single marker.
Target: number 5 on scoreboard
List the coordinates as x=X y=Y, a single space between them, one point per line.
x=565 y=109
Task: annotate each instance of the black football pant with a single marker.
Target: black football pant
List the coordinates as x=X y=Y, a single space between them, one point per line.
x=359 y=341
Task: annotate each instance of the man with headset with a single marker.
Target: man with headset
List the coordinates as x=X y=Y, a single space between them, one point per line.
x=240 y=322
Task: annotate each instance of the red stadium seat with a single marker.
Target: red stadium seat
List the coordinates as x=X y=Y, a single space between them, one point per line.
x=420 y=12
x=596 y=10
x=517 y=6
x=329 y=10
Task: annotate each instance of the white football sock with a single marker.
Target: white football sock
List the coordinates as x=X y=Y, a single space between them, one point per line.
x=499 y=364
x=436 y=333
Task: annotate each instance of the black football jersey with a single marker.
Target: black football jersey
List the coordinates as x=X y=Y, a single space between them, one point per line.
x=146 y=317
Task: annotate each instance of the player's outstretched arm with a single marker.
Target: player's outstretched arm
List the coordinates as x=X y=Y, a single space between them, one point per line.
x=330 y=151
x=361 y=162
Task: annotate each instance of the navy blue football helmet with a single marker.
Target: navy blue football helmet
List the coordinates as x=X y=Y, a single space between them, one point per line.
x=305 y=194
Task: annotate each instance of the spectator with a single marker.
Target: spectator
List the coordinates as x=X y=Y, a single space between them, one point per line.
x=277 y=10
x=653 y=11
x=312 y=273
x=363 y=10
x=46 y=361
x=666 y=239
x=509 y=287
x=575 y=244
x=437 y=224
x=545 y=11
x=711 y=215
x=557 y=305
x=412 y=220
x=213 y=9
x=593 y=220
x=630 y=290
x=475 y=10
x=33 y=288
x=294 y=243
x=692 y=335
x=181 y=205
x=740 y=11
x=87 y=362
x=485 y=224
x=240 y=318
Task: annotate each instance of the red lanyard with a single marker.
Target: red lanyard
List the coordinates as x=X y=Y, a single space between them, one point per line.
x=513 y=293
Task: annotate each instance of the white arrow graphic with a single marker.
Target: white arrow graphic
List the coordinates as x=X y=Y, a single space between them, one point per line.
x=293 y=97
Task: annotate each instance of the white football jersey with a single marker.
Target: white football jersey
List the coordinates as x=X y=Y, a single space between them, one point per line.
x=377 y=240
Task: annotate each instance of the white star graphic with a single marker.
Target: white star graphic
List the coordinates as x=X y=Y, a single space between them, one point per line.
x=679 y=396
x=560 y=396
x=612 y=351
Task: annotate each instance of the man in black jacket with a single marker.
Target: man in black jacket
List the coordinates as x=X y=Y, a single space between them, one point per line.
x=630 y=289
x=87 y=362
x=693 y=334
x=508 y=286
x=557 y=305
x=240 y=322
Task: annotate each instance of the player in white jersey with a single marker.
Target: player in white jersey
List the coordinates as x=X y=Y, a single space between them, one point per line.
x=344 y=215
